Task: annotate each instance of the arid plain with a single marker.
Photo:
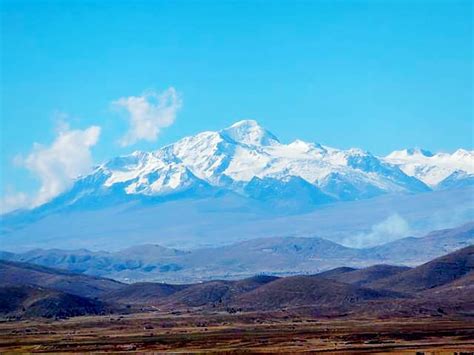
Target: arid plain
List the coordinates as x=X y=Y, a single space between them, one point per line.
x=252 y=332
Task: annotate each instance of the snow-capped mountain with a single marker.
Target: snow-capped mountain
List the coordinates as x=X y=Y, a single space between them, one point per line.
x=241 y=183
x=441 y=170
x=247 y=159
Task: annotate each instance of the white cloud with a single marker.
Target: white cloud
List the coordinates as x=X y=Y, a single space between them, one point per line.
x=148 y=114
x=12 y=201
x=55 y=166
x=390 y=229
x=68 y=157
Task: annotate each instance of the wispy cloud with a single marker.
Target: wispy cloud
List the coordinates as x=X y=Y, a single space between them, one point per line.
x=148 y=114
x=392 y=228
x=55 y=166
x=66 y=158
x=13 y=200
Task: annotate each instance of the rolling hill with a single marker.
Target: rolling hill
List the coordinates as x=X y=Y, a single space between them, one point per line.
x=148 y=293
x=23 y=274
x=440 y=287
x=278 y=256
x=362 y=277
x=215 y=293
x=307 y=291
x=435 y=273
x=30 y=301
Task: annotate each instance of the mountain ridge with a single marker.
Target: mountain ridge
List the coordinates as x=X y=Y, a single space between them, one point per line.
x=440 y=287
x=272 y=255
x=231 y=158
x=241 y=182
x=436 y=170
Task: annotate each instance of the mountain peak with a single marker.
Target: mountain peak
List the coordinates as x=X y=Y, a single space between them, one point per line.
x=463 y=153
x=410 y=152
x=430 y=168
x=249 y=132
x=419 y=151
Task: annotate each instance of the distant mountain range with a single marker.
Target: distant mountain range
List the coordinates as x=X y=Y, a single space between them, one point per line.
x=439 y=171
x=240 y=183
x=441 y=287
x=271 y=256
x=249 y=160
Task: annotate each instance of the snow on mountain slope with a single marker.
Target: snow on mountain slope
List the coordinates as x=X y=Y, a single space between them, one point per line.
x=249 y=132
x=241 y=182
x=458 y=179
x=432 y=169
x=248 y=160
x=236 y=156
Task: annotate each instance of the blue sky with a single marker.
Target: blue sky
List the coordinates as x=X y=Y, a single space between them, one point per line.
x=380 y=75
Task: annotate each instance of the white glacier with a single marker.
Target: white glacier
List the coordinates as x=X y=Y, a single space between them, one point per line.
x=242 y=182
x=245 y=157
x=430 y=168
x=235 y=156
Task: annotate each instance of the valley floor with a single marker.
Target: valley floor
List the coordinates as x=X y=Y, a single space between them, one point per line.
x=250 y=332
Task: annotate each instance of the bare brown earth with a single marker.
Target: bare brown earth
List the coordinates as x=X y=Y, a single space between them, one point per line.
x=241 y=332
x=428 y=309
